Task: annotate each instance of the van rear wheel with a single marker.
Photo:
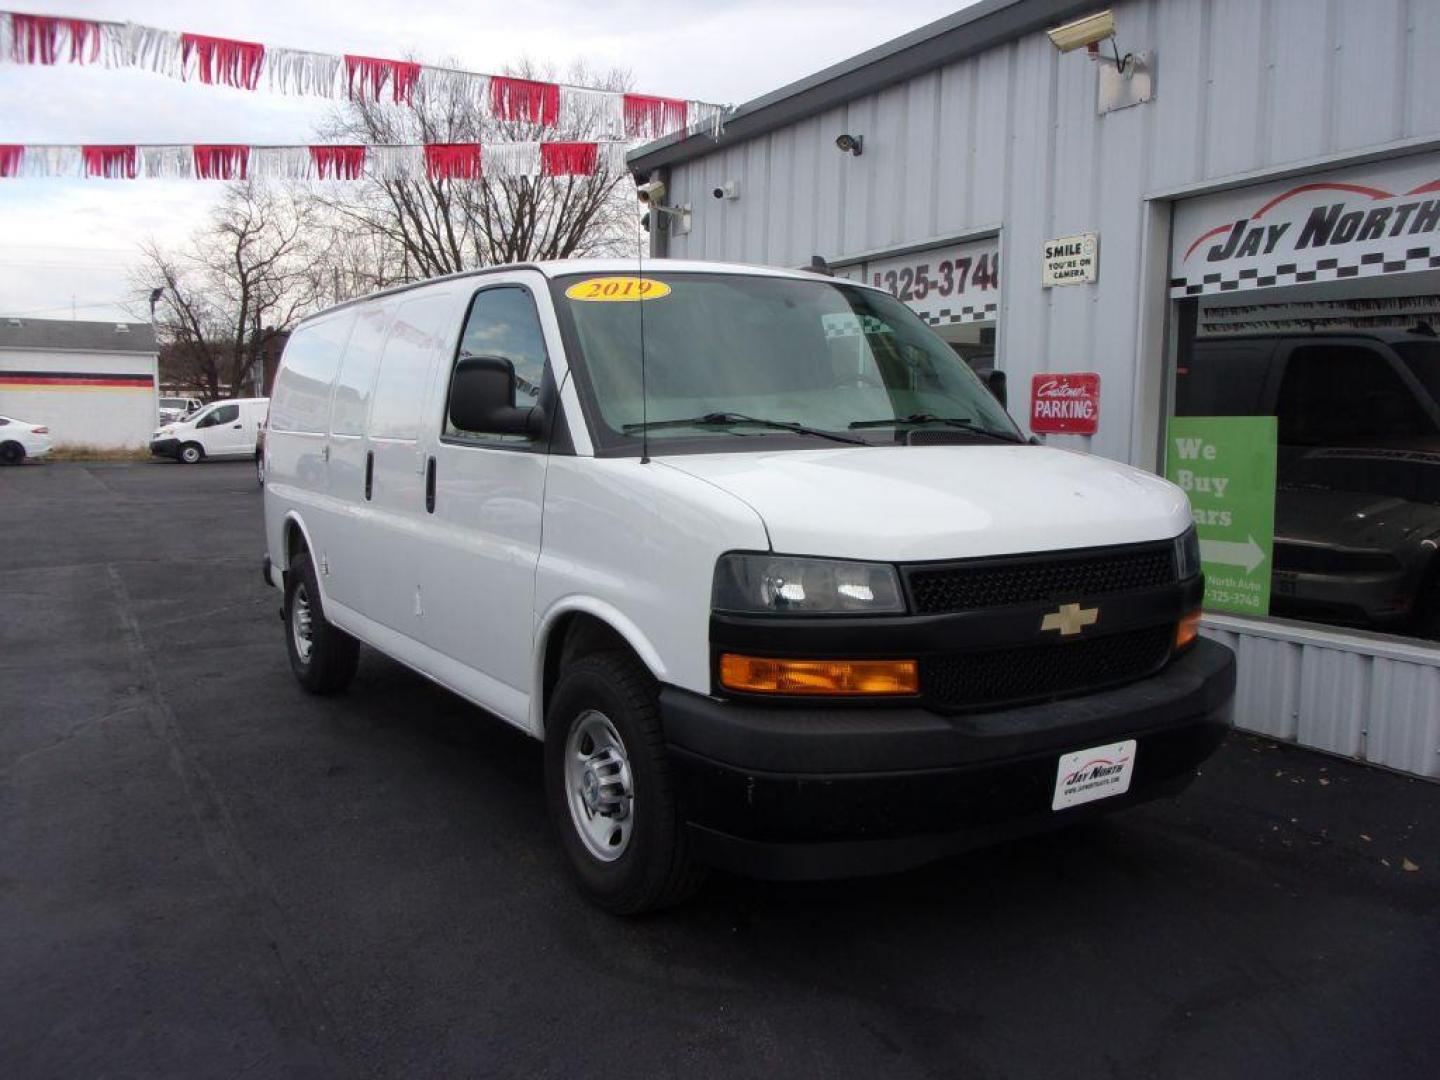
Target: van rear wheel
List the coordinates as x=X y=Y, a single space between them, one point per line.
x=322 y=656
x=609 y=789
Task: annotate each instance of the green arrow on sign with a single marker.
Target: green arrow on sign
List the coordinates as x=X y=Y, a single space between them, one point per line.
x=1228 y=553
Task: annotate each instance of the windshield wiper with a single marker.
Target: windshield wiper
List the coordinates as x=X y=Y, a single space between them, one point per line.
x=729 y=419
x=915 y=419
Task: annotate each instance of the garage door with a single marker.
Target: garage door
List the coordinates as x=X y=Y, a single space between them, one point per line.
x=1317 y=301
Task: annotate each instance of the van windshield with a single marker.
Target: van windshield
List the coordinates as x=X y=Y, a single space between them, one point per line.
x=730 y=355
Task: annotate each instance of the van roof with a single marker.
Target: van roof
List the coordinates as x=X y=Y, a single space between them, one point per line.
x=564 y=267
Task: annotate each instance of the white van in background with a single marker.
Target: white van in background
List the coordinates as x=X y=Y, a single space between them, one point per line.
x=763 y=562
x=221 y=429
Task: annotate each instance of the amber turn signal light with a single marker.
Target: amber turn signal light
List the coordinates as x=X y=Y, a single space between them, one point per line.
x=1188 y=629
x=762 y=675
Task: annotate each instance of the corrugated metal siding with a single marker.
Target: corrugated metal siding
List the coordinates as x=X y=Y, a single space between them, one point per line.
x=1356 y=695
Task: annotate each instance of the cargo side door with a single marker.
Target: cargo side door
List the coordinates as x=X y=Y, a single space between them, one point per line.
x=384 y=553
x=345 y=477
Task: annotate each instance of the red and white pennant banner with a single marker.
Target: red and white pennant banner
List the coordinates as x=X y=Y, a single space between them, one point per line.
x=54 y=39
x=235 y=161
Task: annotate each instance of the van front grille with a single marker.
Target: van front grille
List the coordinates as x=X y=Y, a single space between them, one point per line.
x=1042 y=672
x=1029 y=579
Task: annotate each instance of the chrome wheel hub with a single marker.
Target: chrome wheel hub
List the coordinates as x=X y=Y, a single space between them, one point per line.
x=598 y=786
x=302 y=624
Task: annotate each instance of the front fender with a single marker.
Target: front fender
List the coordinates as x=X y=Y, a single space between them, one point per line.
x=601 y=611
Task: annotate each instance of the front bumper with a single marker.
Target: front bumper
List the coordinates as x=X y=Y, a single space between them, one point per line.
x=813 y=793
x=165 y=447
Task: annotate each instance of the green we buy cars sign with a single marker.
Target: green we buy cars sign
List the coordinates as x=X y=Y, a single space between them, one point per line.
x=1226 y=464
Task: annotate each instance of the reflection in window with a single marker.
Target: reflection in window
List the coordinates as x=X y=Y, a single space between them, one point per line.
x=406 y=366
x=1357 y=500
x=503 y=322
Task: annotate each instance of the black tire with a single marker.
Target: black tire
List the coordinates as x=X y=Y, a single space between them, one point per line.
x=656 y=868
x=11 y=453
x=333 y=654
x=191 y=454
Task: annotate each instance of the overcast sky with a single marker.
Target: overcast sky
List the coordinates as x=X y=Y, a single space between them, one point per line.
x=65 y=242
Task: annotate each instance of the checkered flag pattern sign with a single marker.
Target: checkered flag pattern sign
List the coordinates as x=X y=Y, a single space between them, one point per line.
x=1363 y=222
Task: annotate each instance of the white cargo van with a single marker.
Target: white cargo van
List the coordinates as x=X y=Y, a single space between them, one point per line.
x=221 y=429
x=770 y=571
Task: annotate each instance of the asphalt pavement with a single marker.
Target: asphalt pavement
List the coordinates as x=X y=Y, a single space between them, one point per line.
x=205 y=872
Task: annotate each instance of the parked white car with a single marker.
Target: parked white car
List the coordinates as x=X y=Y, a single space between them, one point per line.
x=177 y=408
x=219 y=430
x=19 y=440
x=773 y=575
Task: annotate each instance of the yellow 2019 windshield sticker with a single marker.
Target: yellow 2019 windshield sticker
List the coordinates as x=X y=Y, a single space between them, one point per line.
x=618 y=289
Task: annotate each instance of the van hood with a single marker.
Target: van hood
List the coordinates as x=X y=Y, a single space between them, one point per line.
x=909 y=503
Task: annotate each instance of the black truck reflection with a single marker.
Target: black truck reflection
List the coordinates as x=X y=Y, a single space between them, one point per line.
x=1357 y=505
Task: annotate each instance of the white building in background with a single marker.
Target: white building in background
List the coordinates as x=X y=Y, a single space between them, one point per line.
x=92 y=383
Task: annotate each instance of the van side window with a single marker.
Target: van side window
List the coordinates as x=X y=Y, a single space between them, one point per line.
x=302 y=389
x=503 y=322
x=1338 y=394
x=406 y=365
x=225 y=414
x=351 y=403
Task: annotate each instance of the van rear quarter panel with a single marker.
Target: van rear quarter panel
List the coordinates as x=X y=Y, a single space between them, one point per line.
x=636 y=544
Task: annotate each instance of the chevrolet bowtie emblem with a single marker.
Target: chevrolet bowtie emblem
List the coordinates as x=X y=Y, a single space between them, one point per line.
x=1070 y=619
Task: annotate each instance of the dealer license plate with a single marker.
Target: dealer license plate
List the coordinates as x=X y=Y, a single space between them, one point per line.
x=1097 y=773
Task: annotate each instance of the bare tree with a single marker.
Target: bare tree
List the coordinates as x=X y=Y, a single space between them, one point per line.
x=240 y=284
x=419 y=228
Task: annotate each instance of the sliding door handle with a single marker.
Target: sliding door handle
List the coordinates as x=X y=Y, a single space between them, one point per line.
x=430 y=485
x=369 y=474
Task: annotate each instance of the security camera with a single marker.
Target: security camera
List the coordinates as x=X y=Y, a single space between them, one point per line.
x=728 y=190
x=850 y=144
x=651 y=193
x=1083 y=33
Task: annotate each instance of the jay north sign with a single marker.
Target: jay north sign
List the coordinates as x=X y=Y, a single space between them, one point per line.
x=1382 y=219
x=1332 y=225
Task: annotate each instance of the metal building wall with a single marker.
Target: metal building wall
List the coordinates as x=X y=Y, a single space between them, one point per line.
x=1011 y=139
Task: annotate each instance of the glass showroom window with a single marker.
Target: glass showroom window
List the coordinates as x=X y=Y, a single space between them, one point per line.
x=1350 y=370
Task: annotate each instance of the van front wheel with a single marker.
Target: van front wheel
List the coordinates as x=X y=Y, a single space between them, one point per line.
x=609 y=788
x=191 y=453
x=322 y=656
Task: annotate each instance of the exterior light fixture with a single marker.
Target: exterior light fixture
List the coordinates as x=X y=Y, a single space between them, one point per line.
x=850 y=144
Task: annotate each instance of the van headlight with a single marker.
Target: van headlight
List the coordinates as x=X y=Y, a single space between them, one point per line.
x=1187 y=553
x=780 y=584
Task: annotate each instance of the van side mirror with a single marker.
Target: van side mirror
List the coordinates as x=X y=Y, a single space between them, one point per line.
x=482 y=399
x=995 y=380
